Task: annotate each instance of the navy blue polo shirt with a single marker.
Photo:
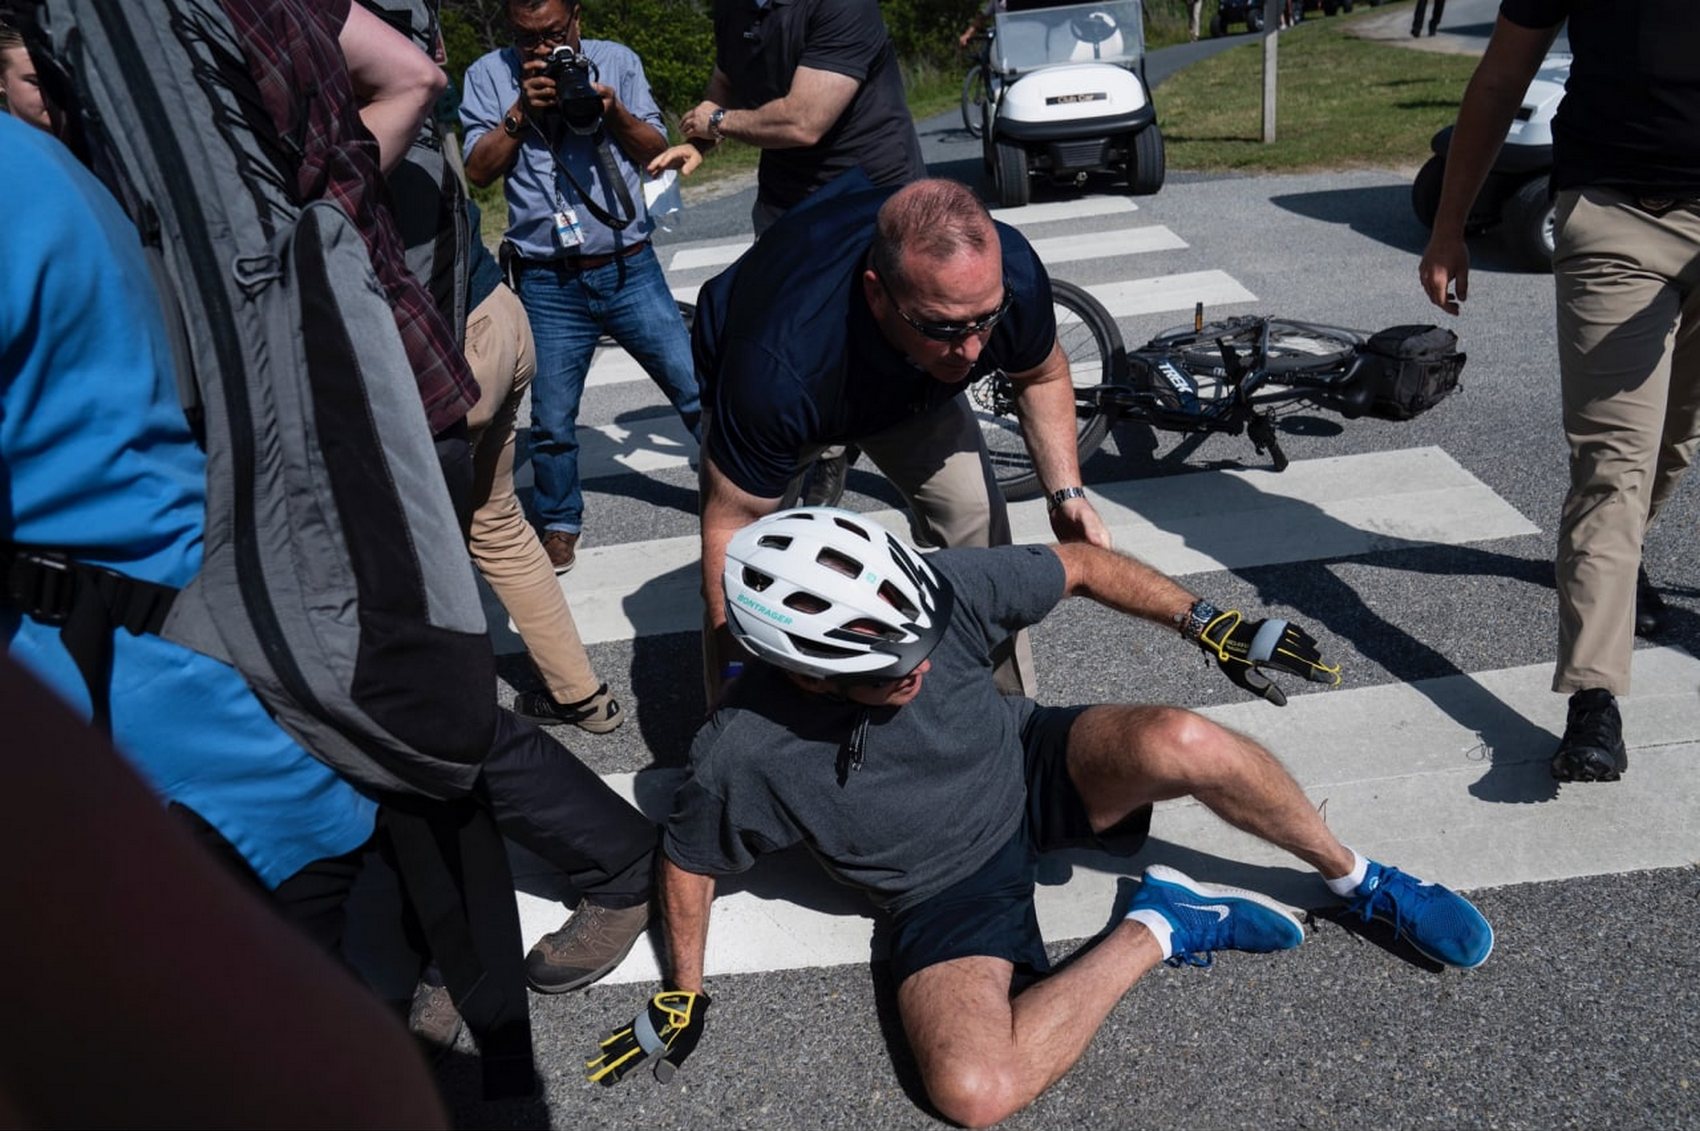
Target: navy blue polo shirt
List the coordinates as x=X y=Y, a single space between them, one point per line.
x=790 y=357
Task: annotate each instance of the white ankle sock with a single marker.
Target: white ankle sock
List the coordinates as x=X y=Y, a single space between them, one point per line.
x=1160 y=928
x=1347 y=884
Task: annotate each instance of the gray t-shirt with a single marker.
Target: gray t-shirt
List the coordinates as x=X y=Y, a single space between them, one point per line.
x=942 y=782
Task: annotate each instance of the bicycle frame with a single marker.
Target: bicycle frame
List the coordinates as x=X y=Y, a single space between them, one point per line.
x=1165 y=392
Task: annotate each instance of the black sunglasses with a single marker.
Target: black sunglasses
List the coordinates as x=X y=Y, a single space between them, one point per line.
x=952 y=332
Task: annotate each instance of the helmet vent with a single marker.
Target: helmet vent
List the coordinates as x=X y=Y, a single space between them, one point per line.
x=864 y=626
x=853 y=528
x=756 y=579
x=841 y=562
x=774 y=541
x=814 y=649
x=894 y=597
x=807 y=603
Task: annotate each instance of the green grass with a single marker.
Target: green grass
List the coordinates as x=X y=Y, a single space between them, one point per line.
x=1341 y=102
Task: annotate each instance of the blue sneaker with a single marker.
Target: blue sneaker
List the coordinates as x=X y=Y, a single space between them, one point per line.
x=1209 y=917
x=1436 y=920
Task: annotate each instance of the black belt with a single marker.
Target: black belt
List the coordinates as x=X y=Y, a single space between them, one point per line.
x=587 y=262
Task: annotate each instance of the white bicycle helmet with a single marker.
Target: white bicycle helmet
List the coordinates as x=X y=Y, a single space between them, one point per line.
x=825 y=592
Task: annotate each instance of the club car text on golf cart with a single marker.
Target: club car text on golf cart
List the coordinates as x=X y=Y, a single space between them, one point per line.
x=1068 y=97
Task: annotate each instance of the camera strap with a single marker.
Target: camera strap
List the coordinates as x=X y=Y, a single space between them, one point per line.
x=610 y=176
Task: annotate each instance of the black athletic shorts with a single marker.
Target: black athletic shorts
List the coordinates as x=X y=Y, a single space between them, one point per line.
x=990 y=913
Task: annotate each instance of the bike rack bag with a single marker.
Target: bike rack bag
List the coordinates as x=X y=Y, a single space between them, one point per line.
x=1410 y=369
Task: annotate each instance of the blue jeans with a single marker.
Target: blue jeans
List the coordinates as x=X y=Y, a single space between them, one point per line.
x=569 y=310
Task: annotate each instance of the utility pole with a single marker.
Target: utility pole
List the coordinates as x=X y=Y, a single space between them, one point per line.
x=1271 y=22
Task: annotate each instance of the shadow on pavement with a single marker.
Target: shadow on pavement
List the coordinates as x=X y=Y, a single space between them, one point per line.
x=1380 y=212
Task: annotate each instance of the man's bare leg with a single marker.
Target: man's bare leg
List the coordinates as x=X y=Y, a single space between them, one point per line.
x=984 y=1056
x=1122 y=757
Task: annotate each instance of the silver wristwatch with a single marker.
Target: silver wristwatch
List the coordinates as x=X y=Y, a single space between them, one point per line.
x=1057 y=498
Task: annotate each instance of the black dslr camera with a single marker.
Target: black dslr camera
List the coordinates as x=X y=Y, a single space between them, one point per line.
x=578 y=102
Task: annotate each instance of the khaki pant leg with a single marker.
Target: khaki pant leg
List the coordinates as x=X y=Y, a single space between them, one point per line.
x=938 y=460
x=503 y=544
x=1623 y=281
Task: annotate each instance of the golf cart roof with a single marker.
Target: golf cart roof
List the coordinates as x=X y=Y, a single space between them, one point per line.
x=1108 y=32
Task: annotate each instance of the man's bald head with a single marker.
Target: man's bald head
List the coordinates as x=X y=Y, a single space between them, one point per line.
x=933 y=220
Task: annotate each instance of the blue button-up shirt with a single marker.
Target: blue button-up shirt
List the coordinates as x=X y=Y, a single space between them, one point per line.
x=535 y=183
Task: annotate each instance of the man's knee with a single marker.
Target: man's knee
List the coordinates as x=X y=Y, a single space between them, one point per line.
x=975 y=1094
x=1190 y=746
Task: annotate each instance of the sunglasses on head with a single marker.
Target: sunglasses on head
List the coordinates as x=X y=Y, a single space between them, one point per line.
x=952 y=332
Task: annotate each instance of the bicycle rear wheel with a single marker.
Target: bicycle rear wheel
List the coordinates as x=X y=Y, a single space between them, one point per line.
x=1093 y=346
x=1293 y=348
x=973 y=99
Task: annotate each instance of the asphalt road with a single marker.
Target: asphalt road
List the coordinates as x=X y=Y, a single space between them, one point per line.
x=1583 y=1017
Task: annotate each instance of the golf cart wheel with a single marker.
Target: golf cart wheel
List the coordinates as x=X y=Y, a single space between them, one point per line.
x=1147 y=163
x=1530 y=226
x=973 y=100
x=1217 y=27
x=1425 y=190
x=1254 y=18
x=1009 y=175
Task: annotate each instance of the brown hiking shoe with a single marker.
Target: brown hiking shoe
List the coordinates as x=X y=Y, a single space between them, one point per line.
x=598 y=713
x=433 y=1018
x=592 y=941
x=562 y=549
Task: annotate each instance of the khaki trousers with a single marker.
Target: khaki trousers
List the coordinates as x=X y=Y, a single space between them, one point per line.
x=938 y=460
x=503 y=544
x=1629 y=359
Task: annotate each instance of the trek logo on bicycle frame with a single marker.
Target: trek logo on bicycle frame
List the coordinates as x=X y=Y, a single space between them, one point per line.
x=1185 y=387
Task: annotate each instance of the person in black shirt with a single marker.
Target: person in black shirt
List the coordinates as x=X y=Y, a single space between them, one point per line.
x=1626 y=170
x=814 y=84
x=861 y=318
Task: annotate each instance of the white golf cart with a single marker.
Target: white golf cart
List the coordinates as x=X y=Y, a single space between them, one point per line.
x=1065 y=96
x=1515 y=197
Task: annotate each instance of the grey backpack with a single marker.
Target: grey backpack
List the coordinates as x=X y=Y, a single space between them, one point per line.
x=335 y=576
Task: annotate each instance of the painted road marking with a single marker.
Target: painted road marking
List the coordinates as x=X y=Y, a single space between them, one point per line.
x=1182 y=524
x=1444 y=777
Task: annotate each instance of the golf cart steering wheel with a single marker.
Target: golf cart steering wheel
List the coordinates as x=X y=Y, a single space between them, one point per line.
x=1093 y=27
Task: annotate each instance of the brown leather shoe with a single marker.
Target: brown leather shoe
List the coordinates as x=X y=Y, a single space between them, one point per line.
x=562 y=549
x=592 y=941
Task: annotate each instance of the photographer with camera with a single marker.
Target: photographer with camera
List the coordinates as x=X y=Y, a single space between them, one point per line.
x=569 y=123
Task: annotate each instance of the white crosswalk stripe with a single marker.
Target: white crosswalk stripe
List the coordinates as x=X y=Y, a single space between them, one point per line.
x=1403 y=768
x=614 y=366
x=1190 y=524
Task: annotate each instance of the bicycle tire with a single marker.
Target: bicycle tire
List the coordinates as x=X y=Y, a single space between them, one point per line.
x=1294 y=347
x=1093 y=346
x=973 y=100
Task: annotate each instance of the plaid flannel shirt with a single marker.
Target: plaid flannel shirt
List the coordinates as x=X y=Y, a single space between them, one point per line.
x=297 y=63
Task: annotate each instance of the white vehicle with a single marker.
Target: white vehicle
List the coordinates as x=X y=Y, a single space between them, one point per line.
x=1064 y=95
x=1515 y=197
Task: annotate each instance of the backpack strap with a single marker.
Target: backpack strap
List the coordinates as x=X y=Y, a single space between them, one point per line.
x=88 y=603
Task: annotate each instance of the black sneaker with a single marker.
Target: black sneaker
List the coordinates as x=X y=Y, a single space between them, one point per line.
x=1649 y=605
x=1592 y=746
x=598 y=713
